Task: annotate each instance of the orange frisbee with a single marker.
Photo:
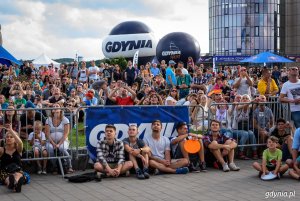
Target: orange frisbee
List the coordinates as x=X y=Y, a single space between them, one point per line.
x=192 y=146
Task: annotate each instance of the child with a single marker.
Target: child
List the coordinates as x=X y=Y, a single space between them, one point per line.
x=271 y=161
x=37 y=139
x=295 y=173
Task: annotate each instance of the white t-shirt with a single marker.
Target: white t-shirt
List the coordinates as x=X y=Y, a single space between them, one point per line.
x=169 y=98
x=244 y=87
x=184 y=71
x=95 y=70
x=36 y=141
x=158 y=147
x=292 y=91
x=57 y=133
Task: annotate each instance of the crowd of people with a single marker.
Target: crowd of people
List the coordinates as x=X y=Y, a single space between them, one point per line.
x=234 y=97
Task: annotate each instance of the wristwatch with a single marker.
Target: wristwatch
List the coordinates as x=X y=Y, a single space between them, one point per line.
x=141 y=150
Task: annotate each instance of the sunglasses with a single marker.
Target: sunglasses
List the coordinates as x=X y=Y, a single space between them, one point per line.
x=174 y=90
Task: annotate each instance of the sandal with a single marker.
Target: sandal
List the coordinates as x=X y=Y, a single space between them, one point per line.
x=18 y=186
x=243 y=157
x=12 y=181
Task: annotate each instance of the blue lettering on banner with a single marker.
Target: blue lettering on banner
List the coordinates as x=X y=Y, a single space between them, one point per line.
x=127 y=45
x=122 y=117
x=230 y=58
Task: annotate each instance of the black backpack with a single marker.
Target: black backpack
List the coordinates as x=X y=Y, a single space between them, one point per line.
x=81 y=178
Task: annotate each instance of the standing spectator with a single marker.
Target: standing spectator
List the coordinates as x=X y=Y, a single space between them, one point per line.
x=183 y=83
x=170 y=75
x=83 y=73
x=198 y=82
x=73 y=70
x=181 y=66
x=163 y=67
x=243 y=83
x=154 y=70
x=266 y=85
x=276 y=74
x=93 y=72
x=129 y=74
x=290 y=93
x=117 y=73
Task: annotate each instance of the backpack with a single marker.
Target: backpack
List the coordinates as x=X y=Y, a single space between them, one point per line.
x=81 y=178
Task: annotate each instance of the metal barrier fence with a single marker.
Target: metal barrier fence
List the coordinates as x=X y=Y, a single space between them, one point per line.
x=58 y=148
x=243 y=120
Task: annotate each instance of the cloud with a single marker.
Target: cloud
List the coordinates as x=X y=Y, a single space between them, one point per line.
x=62 y=28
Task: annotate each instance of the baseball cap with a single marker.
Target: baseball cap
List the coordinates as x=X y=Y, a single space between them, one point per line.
x=172 y=62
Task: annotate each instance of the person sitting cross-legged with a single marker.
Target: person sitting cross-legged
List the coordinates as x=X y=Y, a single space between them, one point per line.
x=137 y=152
x=110 y=155
x=160 y=158
x=196 y=161
x=219 y=146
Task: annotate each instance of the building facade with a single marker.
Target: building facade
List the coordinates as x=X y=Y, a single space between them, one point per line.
x=245 y=27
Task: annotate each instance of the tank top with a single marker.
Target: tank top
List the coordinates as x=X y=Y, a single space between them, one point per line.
x=83 y=76
x=7 y=159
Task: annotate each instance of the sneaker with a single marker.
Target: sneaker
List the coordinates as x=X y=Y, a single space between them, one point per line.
x=39 y=170
x=139 y=174
x=44 y=172
x=226 y=168
x=127 y=173
x=146 y=173
x=203 y=167
x=11 y=180
x=98 y=176
x=193 y=168
x=157 y=172
x=183 y=170
x=233 y=167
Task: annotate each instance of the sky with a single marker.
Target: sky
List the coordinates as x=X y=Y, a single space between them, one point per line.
x=62 y=28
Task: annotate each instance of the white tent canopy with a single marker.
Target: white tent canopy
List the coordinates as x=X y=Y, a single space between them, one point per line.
x=44 y=60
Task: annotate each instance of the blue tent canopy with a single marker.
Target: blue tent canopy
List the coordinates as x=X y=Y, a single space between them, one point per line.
x=266 y=57
x=6 y=57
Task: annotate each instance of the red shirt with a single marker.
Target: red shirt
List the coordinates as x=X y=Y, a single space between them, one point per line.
x=124 y=101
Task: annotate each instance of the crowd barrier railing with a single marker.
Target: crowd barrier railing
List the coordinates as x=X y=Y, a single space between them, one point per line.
x=242 y=120
x=23 y=120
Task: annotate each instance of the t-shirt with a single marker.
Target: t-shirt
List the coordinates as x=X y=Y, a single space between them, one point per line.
x=262 y=86
x=292 y=91
x=169 y=72
x=281 y=138
x=244 y=87
x=158 y=147
x=26 y=121
x=36 y=141
x=124 y=101
x=155 y=71
x=95 y=70
x=57 y=133
x=139 y=143
x=19 y=102
x=296 y=140
x=263 y=118
x=272 y=157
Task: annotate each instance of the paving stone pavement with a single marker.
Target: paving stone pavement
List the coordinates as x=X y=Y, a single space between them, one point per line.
x=212 y=185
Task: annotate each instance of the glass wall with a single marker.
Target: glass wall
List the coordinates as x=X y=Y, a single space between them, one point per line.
x=243 y=27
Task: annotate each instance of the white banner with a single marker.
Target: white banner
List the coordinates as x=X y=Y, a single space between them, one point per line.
x=135 y=58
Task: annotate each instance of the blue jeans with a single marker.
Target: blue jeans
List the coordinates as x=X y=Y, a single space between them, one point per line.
x=296 y=118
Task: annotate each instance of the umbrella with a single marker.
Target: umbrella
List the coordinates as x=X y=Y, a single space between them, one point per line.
x=266 y=57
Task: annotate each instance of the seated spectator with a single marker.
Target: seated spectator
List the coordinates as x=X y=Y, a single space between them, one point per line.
x=110 y=155
x=271 y=161
x=263 y=120
x=183 y=83
x=173 y=97
x=3 y=103
x=155 y=99
x=200 y=113
x=27 y=120
x=37 y=139
x=242 y=125
x=295 y=173
x=123 y=99
x=285 y=139
x=137 y=152
x=20 y=102
x=196 y=161
x=11 y=173
x=57 y=130
x=160 y=158
x=218 y=146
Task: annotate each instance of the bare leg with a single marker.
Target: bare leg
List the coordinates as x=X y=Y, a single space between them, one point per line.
x=294 y=174
x=45 y=155
x=283 y=168
x=217 y=154
x=183 y=162
x=133 y=160
x=127 y=166
x=161 y=167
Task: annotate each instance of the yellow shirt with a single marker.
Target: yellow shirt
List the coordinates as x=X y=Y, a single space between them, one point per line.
x=262 y=87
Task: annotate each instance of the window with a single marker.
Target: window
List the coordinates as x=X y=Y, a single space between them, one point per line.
x=256 y=32
x=226 y=32
x=256 y=7
x=226 y=9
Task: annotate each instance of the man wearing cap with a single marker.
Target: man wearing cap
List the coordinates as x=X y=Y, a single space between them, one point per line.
x=170 y=75
x=243 y=83
x=154 y=70
x=290 y=93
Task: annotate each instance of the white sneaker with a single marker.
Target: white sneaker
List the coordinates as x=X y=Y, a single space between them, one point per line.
x=44 y=172
x=226 y=168
x=39 y=172
x=233 y=167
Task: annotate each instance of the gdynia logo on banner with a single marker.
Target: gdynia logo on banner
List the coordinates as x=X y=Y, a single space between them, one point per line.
x=98 y=132
x=174 y=50
x=123 y=46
